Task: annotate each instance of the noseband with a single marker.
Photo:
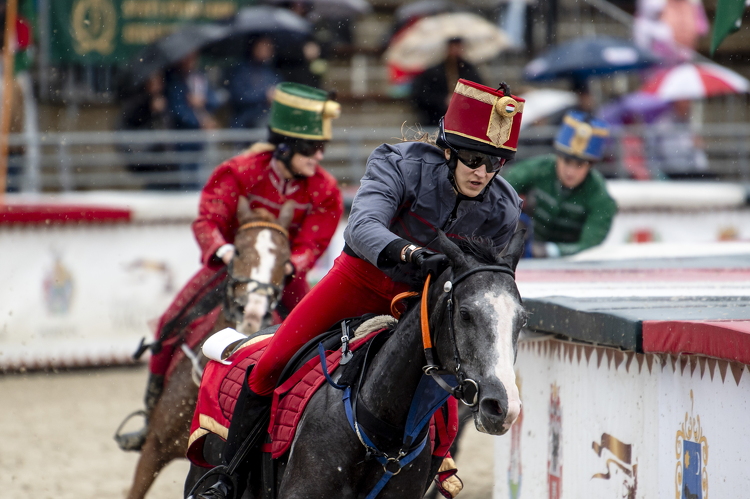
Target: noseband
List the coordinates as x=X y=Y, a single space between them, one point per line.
x=467 y=390
x=273 y=292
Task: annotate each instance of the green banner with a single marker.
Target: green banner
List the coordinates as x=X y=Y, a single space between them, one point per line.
x=112 y=31
x=727 y=20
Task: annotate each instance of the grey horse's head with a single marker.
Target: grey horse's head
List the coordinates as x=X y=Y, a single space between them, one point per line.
x=487 y=318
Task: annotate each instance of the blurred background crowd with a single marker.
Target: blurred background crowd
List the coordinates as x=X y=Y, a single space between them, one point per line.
x=150 y=94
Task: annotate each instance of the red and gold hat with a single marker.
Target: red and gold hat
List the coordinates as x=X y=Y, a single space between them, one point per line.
x=482 y=119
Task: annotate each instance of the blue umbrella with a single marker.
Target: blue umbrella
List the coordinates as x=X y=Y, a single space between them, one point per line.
x=588 y=56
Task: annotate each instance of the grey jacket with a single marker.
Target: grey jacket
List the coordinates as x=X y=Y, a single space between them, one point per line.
x=405 y=193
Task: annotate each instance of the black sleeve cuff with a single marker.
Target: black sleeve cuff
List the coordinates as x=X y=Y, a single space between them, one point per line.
x=391 y=254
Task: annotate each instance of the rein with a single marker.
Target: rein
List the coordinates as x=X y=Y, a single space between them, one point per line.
x=272 y=291
x=467 y=390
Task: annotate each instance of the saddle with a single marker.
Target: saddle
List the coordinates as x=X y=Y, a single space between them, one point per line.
x=301 y=379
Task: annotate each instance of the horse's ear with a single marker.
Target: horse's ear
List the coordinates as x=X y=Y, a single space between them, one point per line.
x=452 y=251
x=243 y=209
x=514 y=249
x=286 y=214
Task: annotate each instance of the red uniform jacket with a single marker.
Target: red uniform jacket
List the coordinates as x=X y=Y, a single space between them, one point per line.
x=318 y=206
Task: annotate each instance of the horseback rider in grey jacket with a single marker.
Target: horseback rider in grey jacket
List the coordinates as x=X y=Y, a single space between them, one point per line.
x=407 y=193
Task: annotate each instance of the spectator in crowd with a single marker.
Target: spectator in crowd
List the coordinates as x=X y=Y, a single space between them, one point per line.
x=567 y=204
x=190 y=102
x=147 y=110
x=286 y=168
x=298 y=56
x=431 y=90
x=671 y=29
x=409 y=192
x=250 y=85
x=299 y=60
x=675 y=150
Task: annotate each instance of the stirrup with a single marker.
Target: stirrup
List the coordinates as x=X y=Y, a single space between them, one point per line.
x=132 y=441
x=219 y=490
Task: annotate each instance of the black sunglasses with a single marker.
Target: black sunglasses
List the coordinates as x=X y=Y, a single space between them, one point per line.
x=474 y=160
x=309 y=147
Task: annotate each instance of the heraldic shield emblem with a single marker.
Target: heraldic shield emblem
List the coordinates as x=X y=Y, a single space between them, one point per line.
x=691 y=446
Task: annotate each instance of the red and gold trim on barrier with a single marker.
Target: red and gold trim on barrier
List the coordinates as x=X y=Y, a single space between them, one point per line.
x=484 y=114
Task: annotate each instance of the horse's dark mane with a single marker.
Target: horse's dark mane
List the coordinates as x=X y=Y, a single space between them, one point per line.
x=481 y=249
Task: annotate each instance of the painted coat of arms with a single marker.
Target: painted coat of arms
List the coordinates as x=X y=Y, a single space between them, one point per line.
x=691 y=450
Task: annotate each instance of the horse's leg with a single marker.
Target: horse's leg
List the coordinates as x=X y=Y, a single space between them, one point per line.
x=322 y=461
x=168 y=429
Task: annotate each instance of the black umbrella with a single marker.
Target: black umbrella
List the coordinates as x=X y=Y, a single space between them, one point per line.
x=337 y=9
x=588 y=56
x=422 y=8
x=172 y=48
x=257 y=21
x=267 y=19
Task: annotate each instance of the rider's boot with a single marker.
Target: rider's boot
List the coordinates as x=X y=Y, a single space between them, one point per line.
x=249 y=422
x=134 y=440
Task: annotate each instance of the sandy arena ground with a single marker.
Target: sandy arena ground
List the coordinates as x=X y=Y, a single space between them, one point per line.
x=56 y=439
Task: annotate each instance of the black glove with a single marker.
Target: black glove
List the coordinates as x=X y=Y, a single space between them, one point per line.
x=429 y=262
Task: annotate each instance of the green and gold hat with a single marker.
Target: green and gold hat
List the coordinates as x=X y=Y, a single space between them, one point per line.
x=302 y=112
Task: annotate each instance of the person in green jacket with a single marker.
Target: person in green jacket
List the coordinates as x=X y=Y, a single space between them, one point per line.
x=566 y=199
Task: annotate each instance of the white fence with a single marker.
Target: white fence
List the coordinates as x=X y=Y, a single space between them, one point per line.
x=133 y=160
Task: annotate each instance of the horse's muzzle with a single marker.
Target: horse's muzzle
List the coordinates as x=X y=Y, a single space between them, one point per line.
x=495 y=415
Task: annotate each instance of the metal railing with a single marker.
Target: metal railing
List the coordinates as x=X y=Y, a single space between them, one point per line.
x=184 y=159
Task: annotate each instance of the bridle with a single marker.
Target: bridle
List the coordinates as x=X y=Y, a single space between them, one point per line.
x=232 y=309
x=466 y=390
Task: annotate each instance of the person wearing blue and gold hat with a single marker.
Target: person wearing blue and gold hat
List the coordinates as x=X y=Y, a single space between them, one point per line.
x=566 y=199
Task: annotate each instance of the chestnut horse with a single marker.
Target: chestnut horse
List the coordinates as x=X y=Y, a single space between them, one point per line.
x=256 y=276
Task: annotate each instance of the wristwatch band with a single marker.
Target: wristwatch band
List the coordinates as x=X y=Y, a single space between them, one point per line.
x=407 y=251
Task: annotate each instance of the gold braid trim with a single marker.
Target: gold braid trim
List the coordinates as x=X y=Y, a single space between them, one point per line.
x=208 y=425
x=503 y=110
x=298 y=102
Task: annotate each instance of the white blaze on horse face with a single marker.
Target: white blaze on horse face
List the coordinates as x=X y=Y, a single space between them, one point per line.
x=264 y=247
x=257 y=304
x=505 y=311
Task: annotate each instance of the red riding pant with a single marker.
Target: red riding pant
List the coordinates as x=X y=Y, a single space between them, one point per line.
x=351 y=288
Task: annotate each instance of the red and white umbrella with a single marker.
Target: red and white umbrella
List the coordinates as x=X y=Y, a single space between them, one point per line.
x=691 y=81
